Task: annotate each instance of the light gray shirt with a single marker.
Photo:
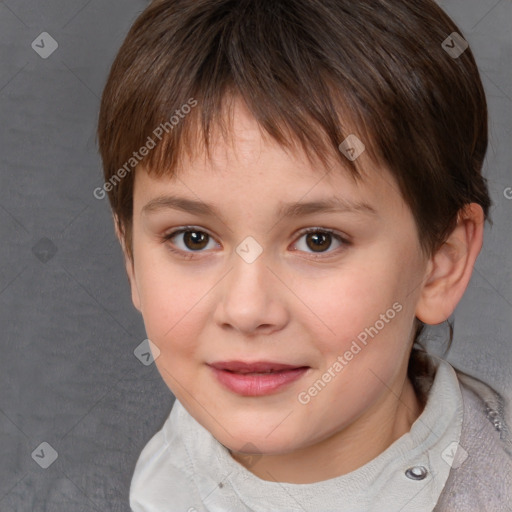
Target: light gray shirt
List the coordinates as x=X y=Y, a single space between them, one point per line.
x=184 y=468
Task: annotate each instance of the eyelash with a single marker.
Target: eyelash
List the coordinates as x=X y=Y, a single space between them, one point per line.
x=192 y=254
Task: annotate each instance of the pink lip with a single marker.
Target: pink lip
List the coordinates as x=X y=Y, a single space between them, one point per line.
x=249 y=379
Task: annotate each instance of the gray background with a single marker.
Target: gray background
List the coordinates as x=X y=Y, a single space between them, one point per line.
x=68 y=374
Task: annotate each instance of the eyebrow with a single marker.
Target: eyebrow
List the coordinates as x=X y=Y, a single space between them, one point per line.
x=285 y=210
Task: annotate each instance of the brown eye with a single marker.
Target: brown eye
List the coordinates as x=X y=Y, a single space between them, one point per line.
x=188 y=240
x=195 y=240
x=318 y=241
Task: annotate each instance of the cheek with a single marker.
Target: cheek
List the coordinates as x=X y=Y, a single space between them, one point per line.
x=173 y=317
x=343 y=304
x=171 y=304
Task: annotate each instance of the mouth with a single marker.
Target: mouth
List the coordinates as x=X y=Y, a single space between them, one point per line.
x=258 y=378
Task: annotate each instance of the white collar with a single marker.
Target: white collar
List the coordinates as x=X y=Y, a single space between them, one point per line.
x=381 y=484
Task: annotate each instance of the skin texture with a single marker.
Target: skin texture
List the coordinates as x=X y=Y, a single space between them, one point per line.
x=293 y=304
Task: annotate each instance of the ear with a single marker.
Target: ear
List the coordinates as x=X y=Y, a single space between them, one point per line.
x=129 y=264
x=449 y=269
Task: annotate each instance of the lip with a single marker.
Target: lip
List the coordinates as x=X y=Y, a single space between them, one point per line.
x=256 y=378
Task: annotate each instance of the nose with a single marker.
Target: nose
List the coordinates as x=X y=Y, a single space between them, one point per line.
x=252 y=300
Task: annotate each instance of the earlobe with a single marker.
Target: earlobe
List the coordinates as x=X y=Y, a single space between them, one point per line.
x=450 y=268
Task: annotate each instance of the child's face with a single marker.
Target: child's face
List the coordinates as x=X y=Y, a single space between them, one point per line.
x=292 y=305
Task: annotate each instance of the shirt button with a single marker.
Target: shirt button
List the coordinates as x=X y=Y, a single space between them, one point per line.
x=416 y=473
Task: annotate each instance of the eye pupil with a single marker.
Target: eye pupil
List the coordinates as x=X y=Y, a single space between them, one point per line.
x=319 y=241
x=195 y=237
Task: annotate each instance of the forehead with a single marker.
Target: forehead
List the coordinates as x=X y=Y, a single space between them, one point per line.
x=246 y=163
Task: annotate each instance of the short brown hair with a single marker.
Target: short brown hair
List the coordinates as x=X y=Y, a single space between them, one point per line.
x=298 y=65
